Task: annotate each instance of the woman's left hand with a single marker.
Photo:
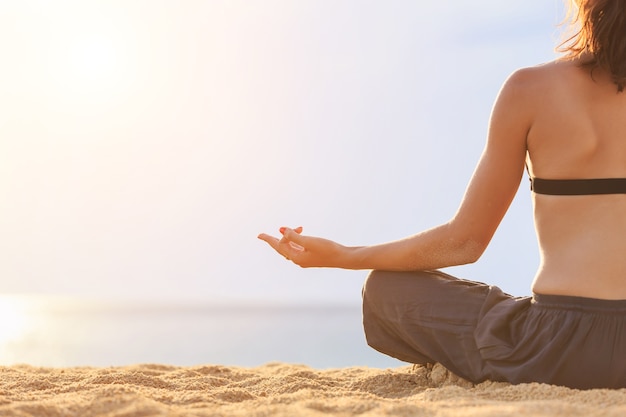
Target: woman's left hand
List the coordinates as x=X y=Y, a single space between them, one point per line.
x=306 y=251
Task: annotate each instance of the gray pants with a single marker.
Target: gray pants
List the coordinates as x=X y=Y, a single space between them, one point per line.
x=479 y=332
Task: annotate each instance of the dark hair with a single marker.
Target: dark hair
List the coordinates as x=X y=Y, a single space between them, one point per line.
x=601 y=31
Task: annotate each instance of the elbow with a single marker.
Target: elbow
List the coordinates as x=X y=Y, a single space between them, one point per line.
x=470 y=251
x=476 y=254
x=470 y=240
x=469 y=246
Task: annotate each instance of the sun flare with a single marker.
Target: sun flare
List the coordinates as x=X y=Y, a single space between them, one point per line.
x=95 y=64
x=14 y=319
x=92 y=60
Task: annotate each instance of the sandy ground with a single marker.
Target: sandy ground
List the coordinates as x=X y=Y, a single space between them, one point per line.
x=283 y=390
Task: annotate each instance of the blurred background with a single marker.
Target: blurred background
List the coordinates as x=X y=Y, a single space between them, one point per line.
x=145 y=144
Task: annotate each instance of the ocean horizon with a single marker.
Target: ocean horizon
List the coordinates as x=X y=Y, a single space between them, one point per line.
x=70 y=331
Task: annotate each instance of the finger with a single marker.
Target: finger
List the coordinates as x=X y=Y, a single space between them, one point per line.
x=290 y=244
x=271 y=240
x=294 y=236
x=276 y=245
x=297 y=230
x=296 y=246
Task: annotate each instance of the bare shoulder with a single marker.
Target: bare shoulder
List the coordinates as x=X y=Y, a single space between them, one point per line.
x=540 y=78
x=528 y=89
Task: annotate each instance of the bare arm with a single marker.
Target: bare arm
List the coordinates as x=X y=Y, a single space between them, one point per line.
x=464 y=238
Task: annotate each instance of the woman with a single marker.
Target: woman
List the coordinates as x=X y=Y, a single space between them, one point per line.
x=566 y=122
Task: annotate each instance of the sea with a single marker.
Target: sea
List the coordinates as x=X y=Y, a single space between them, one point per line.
x=67 y=332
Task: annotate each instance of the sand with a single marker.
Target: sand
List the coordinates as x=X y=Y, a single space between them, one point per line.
x=283 y=390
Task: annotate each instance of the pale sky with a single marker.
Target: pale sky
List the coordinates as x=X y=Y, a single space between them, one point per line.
x=144 y=144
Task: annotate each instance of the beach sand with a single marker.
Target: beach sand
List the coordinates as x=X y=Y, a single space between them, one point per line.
x=280 y=389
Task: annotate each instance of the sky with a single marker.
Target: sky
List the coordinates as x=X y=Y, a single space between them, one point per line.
x=144 y=144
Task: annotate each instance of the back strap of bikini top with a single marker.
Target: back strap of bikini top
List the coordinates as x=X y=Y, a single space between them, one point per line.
x=579 y=186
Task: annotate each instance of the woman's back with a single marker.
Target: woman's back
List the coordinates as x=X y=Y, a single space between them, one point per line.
x=578 y=132
x=567 y=121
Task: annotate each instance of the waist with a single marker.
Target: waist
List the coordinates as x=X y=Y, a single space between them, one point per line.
x=597 y=278
x=577 y=303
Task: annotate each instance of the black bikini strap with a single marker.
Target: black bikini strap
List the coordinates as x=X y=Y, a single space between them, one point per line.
x=579 y=186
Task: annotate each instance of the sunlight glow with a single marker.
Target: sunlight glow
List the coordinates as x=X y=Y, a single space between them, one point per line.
x=14 y=319
x=91 y=61
x=94 y=58
x=94 y=65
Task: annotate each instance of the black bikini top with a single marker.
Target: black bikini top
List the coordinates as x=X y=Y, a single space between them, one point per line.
x=579 y=187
